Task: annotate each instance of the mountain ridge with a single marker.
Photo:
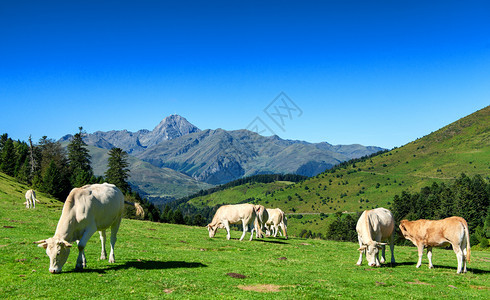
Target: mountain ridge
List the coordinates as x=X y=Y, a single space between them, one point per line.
x=219 y=156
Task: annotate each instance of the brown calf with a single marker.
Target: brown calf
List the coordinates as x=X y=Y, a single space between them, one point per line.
x=439 y=233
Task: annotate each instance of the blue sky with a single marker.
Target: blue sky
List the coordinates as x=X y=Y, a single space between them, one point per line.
x=371 y=72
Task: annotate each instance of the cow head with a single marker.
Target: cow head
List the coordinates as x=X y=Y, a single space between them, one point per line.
x=372 y=249
x=212 y=230
x=58 y=251
x=404 y=231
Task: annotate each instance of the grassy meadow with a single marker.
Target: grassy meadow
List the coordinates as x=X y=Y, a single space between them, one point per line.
x=156 y=260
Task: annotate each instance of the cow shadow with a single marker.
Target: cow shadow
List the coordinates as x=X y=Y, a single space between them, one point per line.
x=143 y=265
x=470 y=270
x=271 y=241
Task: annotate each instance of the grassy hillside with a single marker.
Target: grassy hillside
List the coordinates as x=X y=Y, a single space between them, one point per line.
x=156 y=260
x=463 y=146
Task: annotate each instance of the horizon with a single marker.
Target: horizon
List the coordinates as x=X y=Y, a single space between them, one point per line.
x=376 y=74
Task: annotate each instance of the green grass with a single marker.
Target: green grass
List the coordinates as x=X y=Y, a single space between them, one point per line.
x=162 y=260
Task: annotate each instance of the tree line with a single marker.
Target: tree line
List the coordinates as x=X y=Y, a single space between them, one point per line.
x=466 y=197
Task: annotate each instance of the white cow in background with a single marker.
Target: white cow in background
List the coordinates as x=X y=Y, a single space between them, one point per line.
x=86 y=210
x=31 y=199
x=373 y=227
x=246 y=214
x=276 y=219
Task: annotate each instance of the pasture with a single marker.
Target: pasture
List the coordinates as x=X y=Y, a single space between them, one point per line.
x=174 y=261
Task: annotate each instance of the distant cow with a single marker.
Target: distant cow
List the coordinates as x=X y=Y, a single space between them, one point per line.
x=439 y=233
x=276 y=219
x=246 y=214
x=86 y=210
x=260 y=221
x=373 y=227
x=31 y=199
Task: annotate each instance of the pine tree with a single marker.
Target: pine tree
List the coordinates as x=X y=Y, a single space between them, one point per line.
x=52 y=176
x=79 y=160
x=8 y=158
x=118 y=172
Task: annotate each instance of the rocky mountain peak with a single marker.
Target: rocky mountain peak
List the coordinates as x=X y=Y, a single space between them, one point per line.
x=174 y=126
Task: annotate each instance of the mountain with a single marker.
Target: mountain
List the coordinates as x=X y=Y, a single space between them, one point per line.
x=169 y=128
x=219 y=156
x=152 y=182
x=460 y=147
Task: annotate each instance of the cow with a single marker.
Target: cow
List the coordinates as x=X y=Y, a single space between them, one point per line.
x=373 y=227
x=86 y=210
x=439 y=233
x=260 y=221
x=31 y=199
x=276 y=219
x=245 y=214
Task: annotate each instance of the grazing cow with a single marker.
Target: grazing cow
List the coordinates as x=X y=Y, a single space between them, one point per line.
x=260 y=221
x=31 y=199
x=234 y=214
x=276 y=219
x=373 y=227
x=439 y=233
x=86 y=210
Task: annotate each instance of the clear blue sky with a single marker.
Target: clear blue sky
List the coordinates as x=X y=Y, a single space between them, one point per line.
x=371 y=72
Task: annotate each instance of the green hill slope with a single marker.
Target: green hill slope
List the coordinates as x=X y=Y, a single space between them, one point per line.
x=463 y=146
x=155 y=260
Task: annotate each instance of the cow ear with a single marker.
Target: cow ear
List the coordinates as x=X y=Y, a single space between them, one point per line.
x=67 y=245
x=362 y=248
x=42 y=243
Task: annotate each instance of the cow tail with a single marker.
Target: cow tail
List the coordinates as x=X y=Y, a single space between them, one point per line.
x=468 y=247
x=139 y=209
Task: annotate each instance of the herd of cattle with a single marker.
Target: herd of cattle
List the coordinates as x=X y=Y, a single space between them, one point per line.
x=97 y=207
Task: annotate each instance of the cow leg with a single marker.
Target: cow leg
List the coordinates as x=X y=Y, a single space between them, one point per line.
x=103 y=253
x=114 y=229
x=359 y=262
x=81 y=261
x=383 y=250
x=459 y=257
x=465 y=253
x=429 y=256
x=392 y=249
x=276 y=229
x=420 y=249
x=283 y=227
x=226 y=224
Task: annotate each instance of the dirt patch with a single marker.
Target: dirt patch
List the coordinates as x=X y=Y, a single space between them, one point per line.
x=283 y=258
x=261 y=288
x=479 y=287
x=236 y=275
x=417 y=282
x=167 y=291
x=305 y=244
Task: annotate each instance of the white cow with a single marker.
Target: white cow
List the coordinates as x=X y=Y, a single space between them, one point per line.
x=373 y=227
x=86 y=210
x=31 y=199
x=245 y=214
x=276 y=219
x=259 y=224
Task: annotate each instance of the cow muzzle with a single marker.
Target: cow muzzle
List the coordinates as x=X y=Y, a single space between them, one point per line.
x=54 y=271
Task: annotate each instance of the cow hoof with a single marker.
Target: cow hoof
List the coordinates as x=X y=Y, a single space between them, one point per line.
x=358 y=264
